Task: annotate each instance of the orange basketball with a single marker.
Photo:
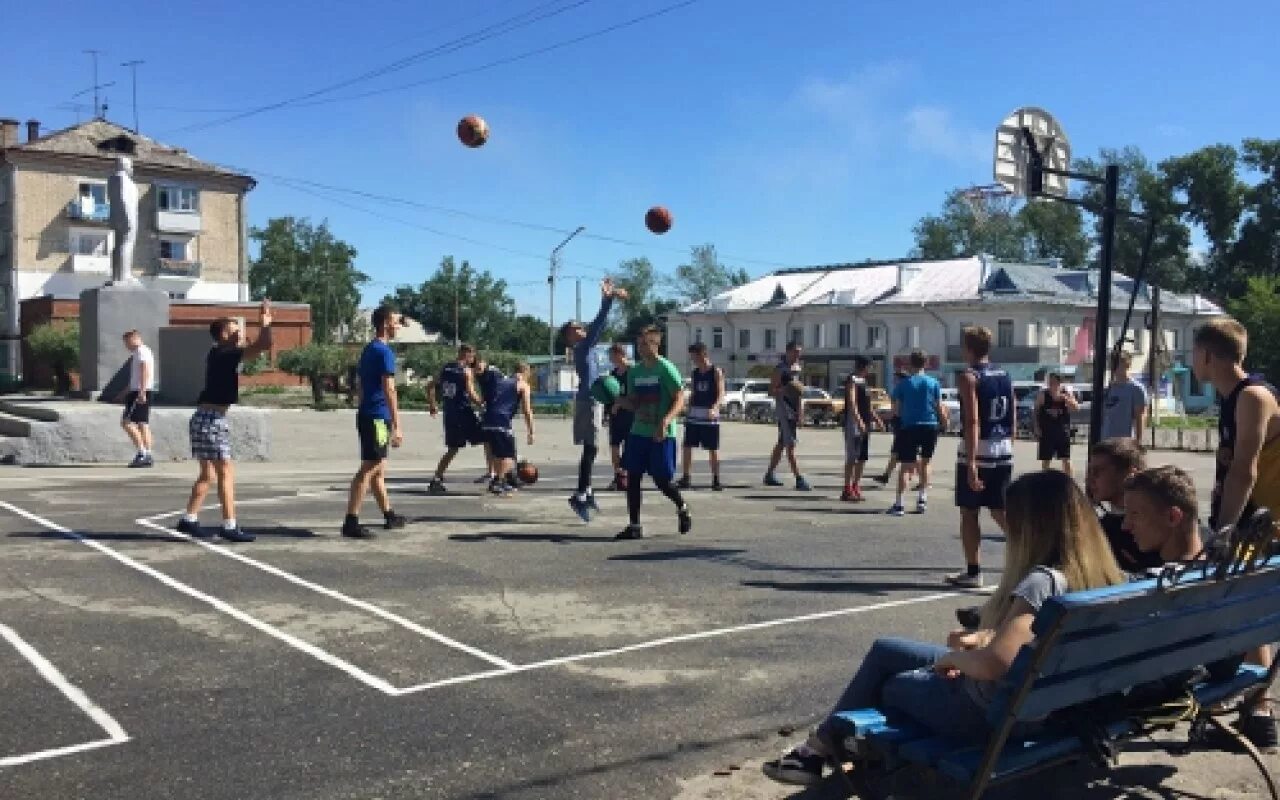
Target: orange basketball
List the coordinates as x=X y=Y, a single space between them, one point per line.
x=473 y=131
x=527 y=473
x=658 y=219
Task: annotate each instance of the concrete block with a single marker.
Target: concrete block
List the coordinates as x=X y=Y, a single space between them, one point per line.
x=105 y=314
x=182 y=353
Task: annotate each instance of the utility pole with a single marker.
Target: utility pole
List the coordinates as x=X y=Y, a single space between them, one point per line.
x=133 y=71
x=577 y=307
x=93 y=54
x=551 y=284
x=457 y=334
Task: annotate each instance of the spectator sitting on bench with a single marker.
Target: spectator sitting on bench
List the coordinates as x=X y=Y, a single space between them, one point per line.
x=1111 y=463
x=1055 y=545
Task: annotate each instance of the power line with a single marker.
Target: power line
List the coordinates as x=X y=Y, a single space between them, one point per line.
x=524 y=19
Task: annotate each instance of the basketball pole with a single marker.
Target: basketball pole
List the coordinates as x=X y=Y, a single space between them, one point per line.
x=1102 y=324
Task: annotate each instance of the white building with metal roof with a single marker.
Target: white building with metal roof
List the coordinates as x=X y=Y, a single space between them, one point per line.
x=1041 y=315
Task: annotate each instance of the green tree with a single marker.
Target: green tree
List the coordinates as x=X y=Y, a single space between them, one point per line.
x=1259 y=310
x=704 y=276
x=526 y=334
x=485 y=310
x=319 y=364
x=1053 y=229
x=640 y=279
x=1212 y=197
x=1257 y=249
x=968 y=225
x=305 y=263
x=58 y=345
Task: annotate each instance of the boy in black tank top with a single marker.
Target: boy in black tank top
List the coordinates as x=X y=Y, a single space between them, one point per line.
x=1051 y=421
x=702 y=420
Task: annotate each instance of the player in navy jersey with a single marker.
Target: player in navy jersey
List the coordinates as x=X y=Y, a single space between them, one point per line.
x=987 y=407
x=503 y=398
x=455 y=390
x=702 y=421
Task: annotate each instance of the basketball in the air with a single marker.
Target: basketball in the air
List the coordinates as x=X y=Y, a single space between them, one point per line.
x=658 y=219
x=527 y=473
x=473 y=131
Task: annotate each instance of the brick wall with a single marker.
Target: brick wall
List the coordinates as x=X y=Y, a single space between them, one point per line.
x=291 y=328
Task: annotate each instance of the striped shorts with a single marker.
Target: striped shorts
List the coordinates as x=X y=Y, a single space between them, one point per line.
x=210 y=436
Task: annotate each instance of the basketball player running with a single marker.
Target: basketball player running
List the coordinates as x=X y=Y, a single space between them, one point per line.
x=136 y=419
x=504 y=395
x=209 y=432
x=986 y=447
x=1248 y=469
x=457 y=386
x=1051 y=422
x=702 y=423
x=377 y=426
x=656 y=394
x=786 y=388
x=620 y=419
x=586 y=411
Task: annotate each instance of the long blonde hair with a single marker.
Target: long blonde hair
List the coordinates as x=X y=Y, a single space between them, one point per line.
x=1051 y=524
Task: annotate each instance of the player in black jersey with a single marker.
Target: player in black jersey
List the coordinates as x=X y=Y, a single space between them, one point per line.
x=1051 y=422
x=456 y=391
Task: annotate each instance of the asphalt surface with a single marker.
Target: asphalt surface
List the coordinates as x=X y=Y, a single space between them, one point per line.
x=494 y=648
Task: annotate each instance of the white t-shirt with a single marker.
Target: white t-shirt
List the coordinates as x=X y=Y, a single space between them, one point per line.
x=142 y=356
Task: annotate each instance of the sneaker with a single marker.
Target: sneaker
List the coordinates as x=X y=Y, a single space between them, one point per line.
x=591 y=502
x=140 y=460
x=394 y=521
x=969 y=617
x=356 y=531
x=502 y=490
x=847 y=495
x=922 y=506
x=513 y=480
x=896 y=510
x=1261 y=730
x=580 y=507
x=488 y=478
x=772 y=480
x=190 y=527
x=963 y=580
x=797 y=767
x=684 y=483
x=881 y=479
x=802 y=485
x=686 y=520
x=437 y=487
x=716 y=485
x=495 y=487
x=857 y=495
x=630 y=532
x=236 y=534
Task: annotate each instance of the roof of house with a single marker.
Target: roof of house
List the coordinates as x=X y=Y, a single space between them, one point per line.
x=914 y=282
x=99 y=138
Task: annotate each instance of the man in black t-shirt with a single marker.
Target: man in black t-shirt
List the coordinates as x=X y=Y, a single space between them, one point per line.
x=1111 y=463
x=210 y=434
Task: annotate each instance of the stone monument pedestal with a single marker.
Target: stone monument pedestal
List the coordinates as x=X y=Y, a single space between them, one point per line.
x=105 y=314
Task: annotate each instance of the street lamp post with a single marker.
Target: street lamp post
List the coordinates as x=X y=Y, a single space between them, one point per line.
x=551 y=283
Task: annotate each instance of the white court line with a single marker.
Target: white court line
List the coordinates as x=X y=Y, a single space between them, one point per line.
x=336 y=595
x=257 y=501
x=685 y=637
x=226 y=608
x=115 y=733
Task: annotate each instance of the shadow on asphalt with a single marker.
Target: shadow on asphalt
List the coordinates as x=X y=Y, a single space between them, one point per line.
x=105 y=536
x=811 y=497
x=850 y=587
x=683 y=554
x=484 y=520
x=526 y=538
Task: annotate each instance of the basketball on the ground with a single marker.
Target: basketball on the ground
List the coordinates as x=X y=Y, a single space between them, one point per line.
x=606 y=389
x=658 y=219
x=527 y=473
x=473 y=131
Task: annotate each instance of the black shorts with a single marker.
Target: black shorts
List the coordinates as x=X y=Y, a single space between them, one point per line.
x=135 y=412
x=1054 y=445
x=502 y=444
x=705 y=436
x=375 y=437
x=915 y=442
x=620 y=427
x=994 y=480
x=462 y=429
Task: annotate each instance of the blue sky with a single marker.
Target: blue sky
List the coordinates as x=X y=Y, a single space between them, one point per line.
x=788 y=133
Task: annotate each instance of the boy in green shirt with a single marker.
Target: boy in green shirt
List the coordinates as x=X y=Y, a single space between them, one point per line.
x=655 y=394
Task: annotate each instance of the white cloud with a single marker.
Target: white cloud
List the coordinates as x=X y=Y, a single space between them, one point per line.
x=933 y=130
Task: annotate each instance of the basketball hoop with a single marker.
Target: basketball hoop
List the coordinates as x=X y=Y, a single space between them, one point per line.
x=979 y=199
x=1013 y=153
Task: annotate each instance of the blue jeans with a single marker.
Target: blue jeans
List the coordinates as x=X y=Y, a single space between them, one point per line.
x=897 y=676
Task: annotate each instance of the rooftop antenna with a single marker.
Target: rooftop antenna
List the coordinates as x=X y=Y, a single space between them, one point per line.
x=133 y=72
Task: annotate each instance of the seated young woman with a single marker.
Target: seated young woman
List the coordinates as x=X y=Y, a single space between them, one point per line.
x=1055 y=546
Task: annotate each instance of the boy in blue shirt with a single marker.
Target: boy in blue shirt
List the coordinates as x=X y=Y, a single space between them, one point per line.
x=377 y=425
x=917 y=404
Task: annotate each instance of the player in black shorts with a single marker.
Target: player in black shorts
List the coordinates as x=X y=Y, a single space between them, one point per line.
x=620 y=419
x=1051 y=422
x=456 y=391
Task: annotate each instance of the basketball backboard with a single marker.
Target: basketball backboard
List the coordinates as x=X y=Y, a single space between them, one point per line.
x=1012 y=153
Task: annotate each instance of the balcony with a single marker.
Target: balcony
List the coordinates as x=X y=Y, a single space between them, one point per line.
x=1016 y=354
x=90 y=212
x=177 y=269
x=90 y=264
x=178 y=221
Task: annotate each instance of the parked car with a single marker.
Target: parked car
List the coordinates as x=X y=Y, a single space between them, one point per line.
x=881 y=404
x=739 y=393
x=951 y=402
x=818 y=407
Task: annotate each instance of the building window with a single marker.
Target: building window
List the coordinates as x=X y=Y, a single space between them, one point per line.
x=89 y=243
x=770 y=339
x=744 y=339
x=1171 y=338
x=844 y=333
x=797 y=336
x=717 y=338
x=1004 y=333
x=174 y=249
x=177 y=295
x=819 y=340
x=875 y=337
x=93 y=194
x=912 y=336
x=178 y=198
x=697 y=335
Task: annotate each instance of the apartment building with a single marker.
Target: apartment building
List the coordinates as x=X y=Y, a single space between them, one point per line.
x=55 y=235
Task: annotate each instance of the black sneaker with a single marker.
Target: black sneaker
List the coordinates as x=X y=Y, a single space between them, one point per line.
x=140 y=460
x=485 y=479
x=631 y=532
x=235 y=534
x=580 y=507
x=796 y=767
x=684 y=483
x=716 y=486
x=437 y=487
x=354 y=530
x=394 y=521
x=686 y=521
x=190 y=527
x=1261 y=730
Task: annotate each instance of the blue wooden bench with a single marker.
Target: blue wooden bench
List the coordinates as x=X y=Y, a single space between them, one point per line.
x=1092 y=645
